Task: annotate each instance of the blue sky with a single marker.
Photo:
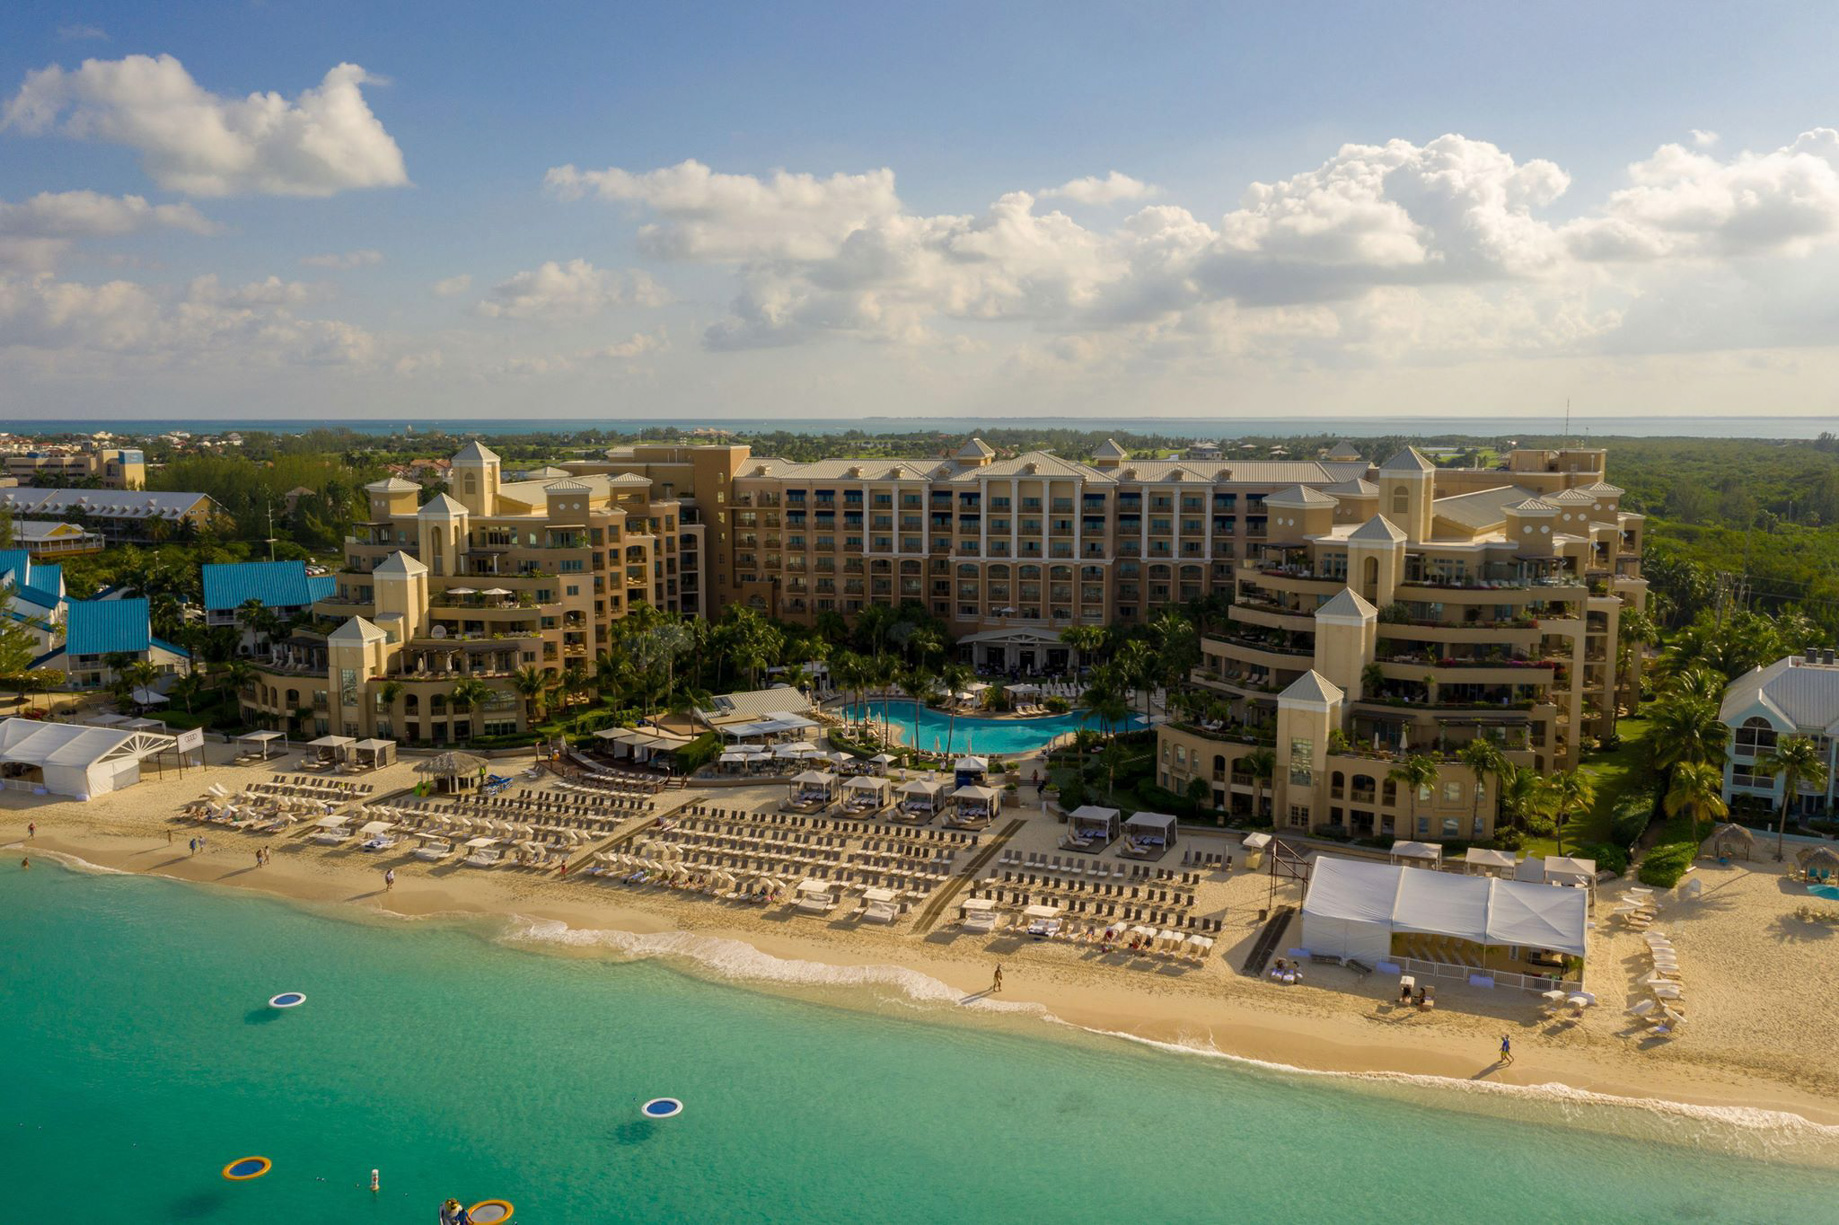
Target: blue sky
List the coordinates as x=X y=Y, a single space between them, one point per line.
x=839 y=210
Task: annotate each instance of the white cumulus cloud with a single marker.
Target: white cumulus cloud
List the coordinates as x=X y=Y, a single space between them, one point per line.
x=575 y=289
x=200 y=143
x=1111 y=189
x=36 y=232
x=450 y=286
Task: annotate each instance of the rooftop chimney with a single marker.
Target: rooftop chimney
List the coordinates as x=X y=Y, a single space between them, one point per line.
x=1812 y=655
x=1826 y=657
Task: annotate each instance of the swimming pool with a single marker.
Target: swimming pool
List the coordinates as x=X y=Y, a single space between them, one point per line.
x=1829 y=892
x=1002 y=737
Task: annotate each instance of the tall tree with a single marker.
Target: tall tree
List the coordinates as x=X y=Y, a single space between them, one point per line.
x=1569 y=792
x=1794 y=760
x=1482 y=756
x=1696 y=788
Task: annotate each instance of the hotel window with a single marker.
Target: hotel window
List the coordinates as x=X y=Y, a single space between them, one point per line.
x=1755 y=736
x=1302 y=761
x=1299 y=816
x=1452 y=793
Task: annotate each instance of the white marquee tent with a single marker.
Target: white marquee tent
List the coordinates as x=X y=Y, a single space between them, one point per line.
x=70 y=759
x=1353 y=908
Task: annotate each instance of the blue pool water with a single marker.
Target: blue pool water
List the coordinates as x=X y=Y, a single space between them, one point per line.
x=1829 y=892
x=141 y=1059
x=998 y=737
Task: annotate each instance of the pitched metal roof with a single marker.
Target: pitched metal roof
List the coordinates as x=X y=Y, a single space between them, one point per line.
x=1796 y=692
x=1312 y=686
x=101 y=503
x=277 y=584
x=1377 y=528
x=34 y=582
x=1299 y=495
x=475 y=452
x=100 y=627
x=1480 y=510
x=1409 y=459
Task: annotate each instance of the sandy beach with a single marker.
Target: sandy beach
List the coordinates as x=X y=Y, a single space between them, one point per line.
x=1757 y=1039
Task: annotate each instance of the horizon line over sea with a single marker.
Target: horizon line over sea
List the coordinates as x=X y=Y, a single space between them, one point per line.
x=1582 y=429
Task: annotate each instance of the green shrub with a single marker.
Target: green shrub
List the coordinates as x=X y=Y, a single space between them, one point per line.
x=1630 y=821
x=1508 y=839
x=1072 y=793
x=699 y=752
x=1608 y=856
x=1666 y=863
x=1058 y=706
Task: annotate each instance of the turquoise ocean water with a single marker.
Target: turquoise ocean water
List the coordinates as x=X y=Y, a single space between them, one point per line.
x=140 y=1059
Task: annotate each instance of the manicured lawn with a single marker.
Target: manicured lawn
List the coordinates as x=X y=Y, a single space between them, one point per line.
x=1621 y=772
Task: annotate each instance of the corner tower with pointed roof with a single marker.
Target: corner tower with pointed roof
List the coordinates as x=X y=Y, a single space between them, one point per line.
x=475 y=478
x=1108 y=454
x=1406 y=490
x=975 y=453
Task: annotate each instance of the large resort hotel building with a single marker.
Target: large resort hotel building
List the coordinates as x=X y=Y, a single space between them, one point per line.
x=1376 y=607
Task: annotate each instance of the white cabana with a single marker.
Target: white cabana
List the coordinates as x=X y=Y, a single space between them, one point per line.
x=813 y=788
x=374 y=754
x=921 y=793
x=333 y=748
x=1149 y=830
x=865 y=791
x=971 y=765
x=1416 y=854
x=1090 y=822
x=108 y=720
x=1354 y=908
x=149 y=697
x=72 y=760
x=800 y=749
x=1480 y=861
x=880 y=905
x=972 y=803
x=977 y=914
x=1564 y=870
x=253 y=744
x=814 y=897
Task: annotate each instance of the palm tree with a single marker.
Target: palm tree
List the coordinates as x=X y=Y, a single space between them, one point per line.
x=1521 y=789
x=1139 y=666
x=531 y=684
x=387 y=693
x=1484 y=757
x=1261 y=764
x=1685 y=728
x=139 y=675
x=468 y=693
x=575 y=682
x=1795 y=760
x=1570 y=791
x=1697 y=788
x=924 y=644
x=1417 y=773
x=954 y=678
x=1085 y=640
x=883 y=672
x=923 y=687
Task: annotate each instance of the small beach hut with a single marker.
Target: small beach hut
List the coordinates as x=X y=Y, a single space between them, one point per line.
x=970 y=771
x=1565 y=870
x=814 y=897
x=920 y=796
x=813 y=789
x=453 y=771
x=1820 y=861
x=1255 y=845
x=1043 y=920
x=1416 y=854
x=1730 y=841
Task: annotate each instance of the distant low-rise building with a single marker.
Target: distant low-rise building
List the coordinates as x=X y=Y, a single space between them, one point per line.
x=121 y=517
x=286 y=588
x=32 y=595
x=50 y=538
x=111 y=467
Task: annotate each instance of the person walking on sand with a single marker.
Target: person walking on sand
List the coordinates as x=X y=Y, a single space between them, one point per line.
x=996 y=986
x=1506 y=1052
x=389 y=880
x=31 y=829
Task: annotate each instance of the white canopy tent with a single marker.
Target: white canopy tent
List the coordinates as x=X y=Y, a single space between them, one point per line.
x=72 y=760
x=1564 y=870
x=333 y=748
x=252 y=743
x=1354 y=908
x=1417 y=854
x=1481 y=861
x=1091 y=821
x=1151 y=828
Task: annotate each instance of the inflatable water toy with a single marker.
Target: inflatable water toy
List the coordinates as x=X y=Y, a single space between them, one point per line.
x=245 y=1168
x=287 y=999
x=490 y=1212
x=662 y=1108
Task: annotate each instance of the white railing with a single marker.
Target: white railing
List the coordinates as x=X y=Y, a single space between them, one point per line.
x=1501 y=978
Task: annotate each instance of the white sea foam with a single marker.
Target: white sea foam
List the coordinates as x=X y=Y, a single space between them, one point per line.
x=76 y=863
x=1773 y=1134
x=740 y=961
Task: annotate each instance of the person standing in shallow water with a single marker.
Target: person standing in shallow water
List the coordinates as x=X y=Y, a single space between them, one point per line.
x=996 y=984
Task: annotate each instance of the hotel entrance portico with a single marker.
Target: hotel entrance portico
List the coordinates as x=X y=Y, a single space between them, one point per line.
x=1029 y=652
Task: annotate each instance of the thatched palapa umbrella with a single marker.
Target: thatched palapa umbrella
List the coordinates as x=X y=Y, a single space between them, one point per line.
x=1730 y=839
x=450 y=767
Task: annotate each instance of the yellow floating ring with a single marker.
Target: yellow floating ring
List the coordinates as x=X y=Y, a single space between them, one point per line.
x=491 y=1212
x=245 y=1168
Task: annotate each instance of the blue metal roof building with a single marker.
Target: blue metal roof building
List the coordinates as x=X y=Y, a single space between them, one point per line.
x=32 y=581
x=100 y=627
x=276 y=584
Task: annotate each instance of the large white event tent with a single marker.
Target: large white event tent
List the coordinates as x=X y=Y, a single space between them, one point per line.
x=1353 y=908
x=74 y=760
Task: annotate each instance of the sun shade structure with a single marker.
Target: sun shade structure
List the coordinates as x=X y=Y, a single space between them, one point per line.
x=74 y=760
x=1417 y=854
x=1729 y=839
x=1354 y=908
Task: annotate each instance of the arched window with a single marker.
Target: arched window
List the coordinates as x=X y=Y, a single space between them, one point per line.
x=1757 y=735
x=411 y=705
